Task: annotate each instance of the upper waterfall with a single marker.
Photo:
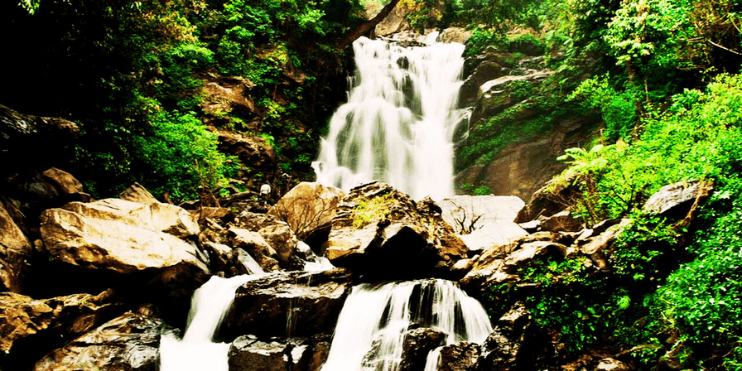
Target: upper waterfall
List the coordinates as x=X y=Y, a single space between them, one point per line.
x=398 y=123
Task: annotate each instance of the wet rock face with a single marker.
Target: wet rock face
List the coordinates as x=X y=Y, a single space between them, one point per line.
x=512 y=345
x=379 y=231
x=288 y=304
x=458 y=357
x=130 y=342
x=30 y=327
x=31 y=141
x=416 y=346
x=247 y=353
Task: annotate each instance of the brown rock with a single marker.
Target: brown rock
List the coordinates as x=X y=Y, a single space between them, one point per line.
x=288 y=304
x=562 y=221
x=129 y=342
x=121 y=236
x=308 y=209
x=381 y=231
x=458 y=357
x=27 y=325
x=137 y=193
x=15 y=251
x=64 y=181
x=256 y=245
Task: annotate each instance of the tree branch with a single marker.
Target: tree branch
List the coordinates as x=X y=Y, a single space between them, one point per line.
x=367 y=26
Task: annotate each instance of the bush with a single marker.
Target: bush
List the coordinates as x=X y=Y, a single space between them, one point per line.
x=180 y=156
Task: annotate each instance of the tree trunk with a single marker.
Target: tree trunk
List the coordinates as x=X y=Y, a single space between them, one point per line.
x=367 y=26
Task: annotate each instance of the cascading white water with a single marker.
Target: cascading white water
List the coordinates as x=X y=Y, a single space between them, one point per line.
x=399 y=121
x=196 y=351
x=385 y=313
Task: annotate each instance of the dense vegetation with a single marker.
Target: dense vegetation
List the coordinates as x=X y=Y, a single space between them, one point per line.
x=662 y=75
x=131 y=72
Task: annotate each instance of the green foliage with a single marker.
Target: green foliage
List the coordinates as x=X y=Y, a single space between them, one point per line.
x=181 y=156
x=697 y=300
x=619 y=109
x=371 y=209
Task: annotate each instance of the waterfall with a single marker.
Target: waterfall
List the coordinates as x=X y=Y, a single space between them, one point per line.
x=196 y=351
x=398 y=124
x=383 y=314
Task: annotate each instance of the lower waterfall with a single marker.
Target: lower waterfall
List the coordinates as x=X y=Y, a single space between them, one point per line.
x=196 y=351
x=379 y=316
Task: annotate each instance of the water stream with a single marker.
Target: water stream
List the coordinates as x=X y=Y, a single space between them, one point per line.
x=383 y=314
x=398 y=123
x=397 y=127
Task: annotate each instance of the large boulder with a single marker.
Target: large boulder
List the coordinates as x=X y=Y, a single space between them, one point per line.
x=255 y=244
x=28 y=141
x=379 y=231
x=30 y=327
x=247 y=353
x=513 y=344
x=308 y=209
x=676 y=200
x=15 y=252
x=457 y=357
x=129 y=342
x=483 y=221
x=287 y=304
x=123 y=244
x=122 y=236
x=416 y=346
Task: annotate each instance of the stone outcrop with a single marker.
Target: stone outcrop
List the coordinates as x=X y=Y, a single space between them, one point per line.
x=308 y=209
x=122 y=236
x=513 y=344
x=293 y=304
x=379 y=231
x=254 y=152
x=256 y=246
x=229 y=94
x=28 y=141
x=30 y=327
x=15 y=252
x=483 y=221
x=247 y=353
x=675 y=201
x=458 y=357
x=416 y=346
x=129 y=342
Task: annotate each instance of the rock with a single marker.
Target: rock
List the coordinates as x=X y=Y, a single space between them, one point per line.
x=30 y=142
x=393 y=23
x=612 y=364
x=247 y=353
x=64 y=181
x=455 y=35
x=282 y=239
x=15 y=253
x=379 y=231
x=256 y=246
x=547 y=201
x=308 y=209
x=137 y=193
x=122 y=236
x=252 y=151
x=129 y=342
x=416 y=346
x=513 y=344
x=30 y=327
x=501 y=263
x=675 y=200
x=123 y=244
x=457 y=357
x=229 y=94
x=562 y=221
x=595 y=247
x=483 y=221
x=293 y=304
